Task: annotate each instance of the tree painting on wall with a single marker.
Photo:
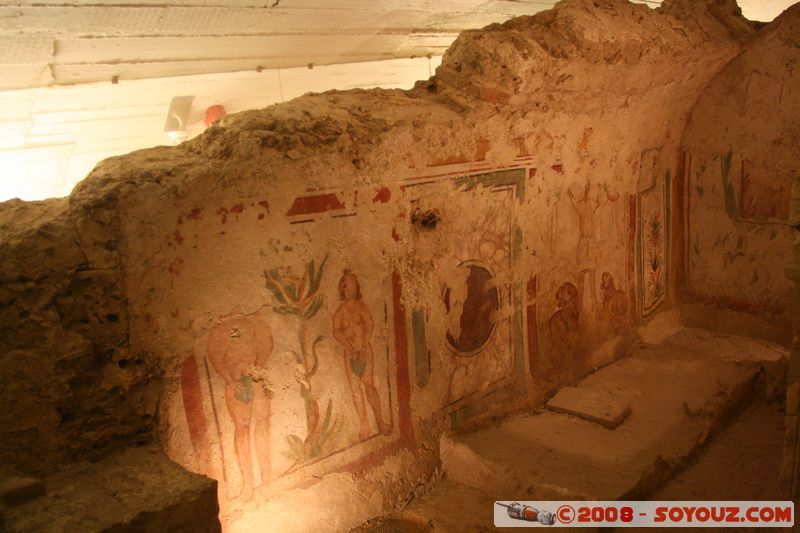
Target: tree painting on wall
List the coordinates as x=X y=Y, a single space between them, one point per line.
x=654 y=265
x=300 y=297
x=653 y=221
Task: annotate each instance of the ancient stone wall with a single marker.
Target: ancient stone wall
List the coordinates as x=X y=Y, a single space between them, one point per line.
x=790 y=468
x=323 y=286
x=71 y=389
x=741 y=159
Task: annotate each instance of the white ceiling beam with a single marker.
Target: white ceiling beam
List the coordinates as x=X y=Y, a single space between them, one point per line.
x=328 y=47
x=386 y=5
x=26 y=49
x=195 y=21
x=102 y=21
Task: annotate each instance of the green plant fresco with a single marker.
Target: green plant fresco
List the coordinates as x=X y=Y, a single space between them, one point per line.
x=655 y=255
x=726 y=163
x=300 y=297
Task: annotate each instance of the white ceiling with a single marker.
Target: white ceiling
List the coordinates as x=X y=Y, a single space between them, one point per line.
x=46 y=42
x=60 y=114
x=52 y=137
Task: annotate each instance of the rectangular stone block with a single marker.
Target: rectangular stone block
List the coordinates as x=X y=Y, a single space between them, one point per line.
x=605 y=409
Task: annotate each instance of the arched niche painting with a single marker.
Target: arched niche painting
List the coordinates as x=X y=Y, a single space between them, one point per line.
x=471 y=301
x=462 y=327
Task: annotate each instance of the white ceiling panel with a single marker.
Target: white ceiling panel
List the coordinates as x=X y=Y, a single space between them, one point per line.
x=78 y=41
x=61 y=42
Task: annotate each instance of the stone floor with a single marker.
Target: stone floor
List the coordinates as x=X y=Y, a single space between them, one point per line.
x=741 y=463
x=138 y=490
x=699 y=427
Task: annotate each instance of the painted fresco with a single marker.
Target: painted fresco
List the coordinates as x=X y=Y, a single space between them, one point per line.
x=239 y=348
x=304 y=369
x=653 y=205
x=741 y=153
x=532 y=322
x=615 y=316
x=472 y=301
x=738 y=234
x=301 y=378
x=583 y=294
x=485 y=331
x=353 y=326
x=565 y=327
x=463 y=333
x=762 y=197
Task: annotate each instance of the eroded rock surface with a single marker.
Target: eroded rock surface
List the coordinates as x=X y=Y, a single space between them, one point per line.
x=136 y=490
x=71 y=388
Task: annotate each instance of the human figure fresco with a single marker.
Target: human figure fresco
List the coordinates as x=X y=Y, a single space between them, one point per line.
x=352 y=328
x=456 y=291
x=564 y=323
x=615 y=304
x=471 y=305
x=239 y=348
x=588 y=247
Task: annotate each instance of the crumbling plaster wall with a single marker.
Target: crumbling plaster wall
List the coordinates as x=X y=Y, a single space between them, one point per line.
x=742 y=158
x=432 y=256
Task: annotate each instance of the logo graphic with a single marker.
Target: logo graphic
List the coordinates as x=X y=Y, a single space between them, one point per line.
x=642 y=514
x=566 y=514
x=518 y=511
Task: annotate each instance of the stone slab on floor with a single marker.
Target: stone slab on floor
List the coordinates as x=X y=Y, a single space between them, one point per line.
x=679 y=397
x=137 y=490
x=449 y=507
x=773 y=358
x=717 y=473
x=607 y=409
x=727 y=347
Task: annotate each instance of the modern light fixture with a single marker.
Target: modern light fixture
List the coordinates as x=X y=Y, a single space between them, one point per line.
x=213 y=114
x=178 y=119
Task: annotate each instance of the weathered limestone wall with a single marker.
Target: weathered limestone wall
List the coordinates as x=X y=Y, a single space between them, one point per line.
x=319 y=288
x=71 y=389
x=742 y=158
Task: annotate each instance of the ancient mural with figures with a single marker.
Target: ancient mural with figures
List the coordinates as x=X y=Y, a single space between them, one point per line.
x=302 y=301
x=234 y=373
x=476 y=328
x=299 y=373
x=464 y=346
x=338 y=319
x=585 y=295
x=292 y=369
